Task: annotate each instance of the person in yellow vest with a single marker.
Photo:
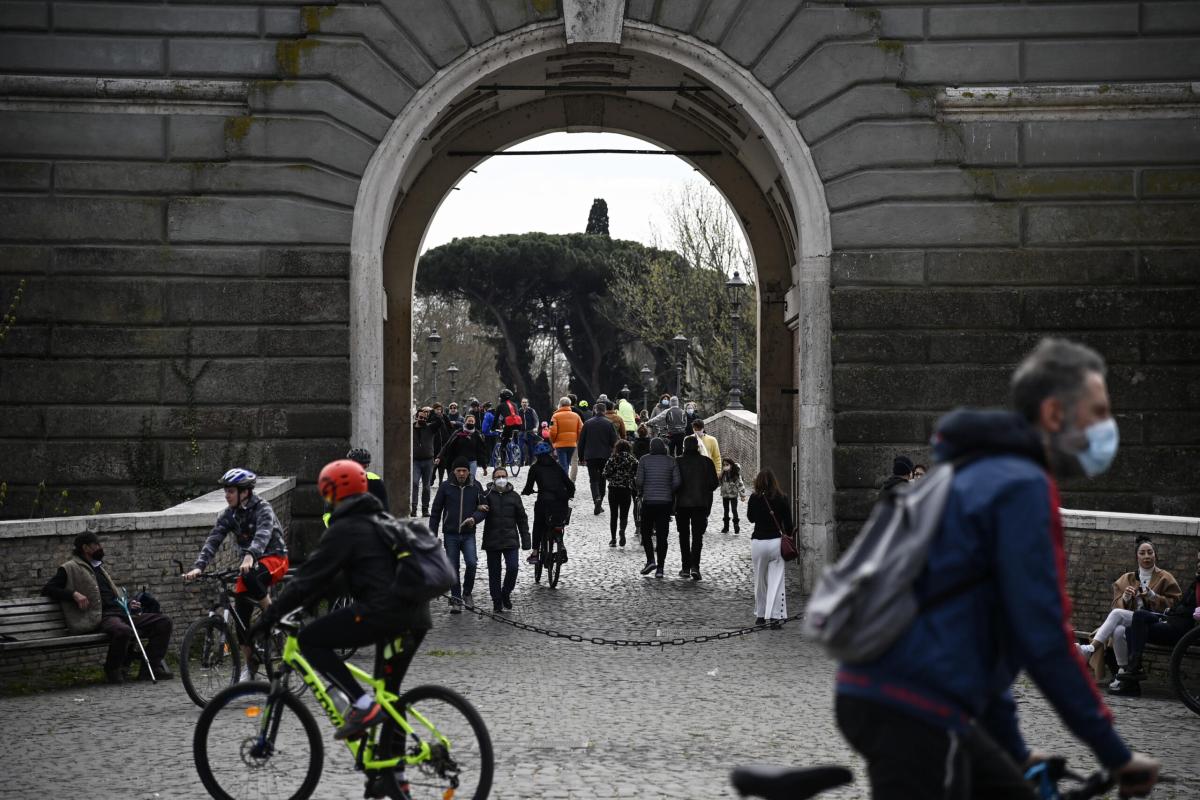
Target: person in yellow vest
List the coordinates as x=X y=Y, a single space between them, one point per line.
x=375 y=483
x=90 y=602
x=628 y=415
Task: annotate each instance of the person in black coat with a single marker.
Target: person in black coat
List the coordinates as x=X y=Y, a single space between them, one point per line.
x=554 y=492
x=466 y=444
x=504 y=530
x=596 y=443
x=693 y=503
x=352 y=547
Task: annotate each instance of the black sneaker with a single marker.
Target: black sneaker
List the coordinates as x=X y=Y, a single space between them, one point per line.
x=114 y=676
x=695 y=574
x=759 y=621
x=612 y=542
x=497 y=607
x=650 y=567
x=683 y=573
x=1127 y=689
x=357 y=721
x=599 y=508
x=622 y=540
x=455 y=605
x=658 y=573
x=506 y=601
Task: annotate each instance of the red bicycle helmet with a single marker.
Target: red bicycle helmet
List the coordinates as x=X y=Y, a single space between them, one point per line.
x=341 y=479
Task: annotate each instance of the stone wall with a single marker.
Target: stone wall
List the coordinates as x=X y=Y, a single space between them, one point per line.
x=737 y=433
x=138 y=551
x=177 y=187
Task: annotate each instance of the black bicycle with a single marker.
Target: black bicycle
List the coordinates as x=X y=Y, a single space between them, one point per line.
x=1185 y=684
x=552 y=553
x=778 y=783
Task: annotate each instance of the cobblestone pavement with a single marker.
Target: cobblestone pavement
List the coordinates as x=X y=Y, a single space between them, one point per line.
x=568 y=720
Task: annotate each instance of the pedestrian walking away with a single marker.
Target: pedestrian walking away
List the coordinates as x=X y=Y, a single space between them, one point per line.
x=596 y=443
x=657 y=480
x=673 y=420
x=628 y=416
x=505 y=529
x=620 y=471
x=693 y=504
x=732 y=490
x=455 y=513
x=770 y=511
x=565 y=427
x=554 y=491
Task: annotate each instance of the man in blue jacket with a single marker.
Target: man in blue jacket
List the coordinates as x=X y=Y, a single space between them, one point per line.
x=934 y=715
x=455 y=513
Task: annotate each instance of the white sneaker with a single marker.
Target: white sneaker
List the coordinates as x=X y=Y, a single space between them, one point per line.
x=1115 y=685
x=1086 y=649
x=244 y=675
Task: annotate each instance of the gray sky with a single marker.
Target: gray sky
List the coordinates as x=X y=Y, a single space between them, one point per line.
x=553 y=194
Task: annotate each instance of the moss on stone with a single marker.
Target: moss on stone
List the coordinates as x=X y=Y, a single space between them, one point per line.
x=311 y=16
x=891 y=46
x=289 y=53
x=238 y=128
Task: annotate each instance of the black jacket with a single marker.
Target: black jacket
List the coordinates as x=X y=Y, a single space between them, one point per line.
x=507 y=524
x=597 y=439
x=424 y=436
x=697 y=482
x=758 y=512
x=1181 y=613
x=353 y=547
x=441 y=431
x=455 y=503
x=462 y=444
x=530 y=423
x=641 y=447
x=552 y=484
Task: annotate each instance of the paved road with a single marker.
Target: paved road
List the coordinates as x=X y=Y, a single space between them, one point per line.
x=568 y=720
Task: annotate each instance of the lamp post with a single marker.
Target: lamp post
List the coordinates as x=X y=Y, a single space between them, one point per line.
x=646 y=388
x=681 y=345
x=733 y=289
x=435 y=347
x=452 y=370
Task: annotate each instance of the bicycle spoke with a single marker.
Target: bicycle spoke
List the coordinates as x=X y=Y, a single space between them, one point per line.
x=460 y=762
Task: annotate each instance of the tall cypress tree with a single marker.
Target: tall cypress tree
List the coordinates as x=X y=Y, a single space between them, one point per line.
x=598 y=217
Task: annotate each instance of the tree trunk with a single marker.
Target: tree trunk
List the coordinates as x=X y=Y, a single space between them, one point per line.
x=511 y=353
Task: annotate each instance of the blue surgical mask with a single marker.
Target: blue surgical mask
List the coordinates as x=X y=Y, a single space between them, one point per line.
x=1102 y=441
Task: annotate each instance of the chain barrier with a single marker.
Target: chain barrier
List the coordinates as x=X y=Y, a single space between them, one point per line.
x=679 y=640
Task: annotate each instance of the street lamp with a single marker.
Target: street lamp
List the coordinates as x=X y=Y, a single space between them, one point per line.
x=435 y=347
x=453 y=371
x=681 y=346
x=646 y=388
x=733 y=289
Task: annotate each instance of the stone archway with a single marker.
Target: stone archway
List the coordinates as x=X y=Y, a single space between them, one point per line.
x=765 y=171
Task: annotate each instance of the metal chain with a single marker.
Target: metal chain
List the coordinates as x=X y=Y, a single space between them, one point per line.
x=575 y=637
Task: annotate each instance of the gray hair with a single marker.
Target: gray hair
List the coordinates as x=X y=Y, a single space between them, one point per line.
x=1055 y=368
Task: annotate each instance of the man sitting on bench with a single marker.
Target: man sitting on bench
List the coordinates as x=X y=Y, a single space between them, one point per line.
x=89 y=602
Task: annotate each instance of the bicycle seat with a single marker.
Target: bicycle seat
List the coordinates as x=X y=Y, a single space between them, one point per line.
x=781 y=783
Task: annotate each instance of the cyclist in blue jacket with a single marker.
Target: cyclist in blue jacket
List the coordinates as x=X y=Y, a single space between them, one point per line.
x=934 y=715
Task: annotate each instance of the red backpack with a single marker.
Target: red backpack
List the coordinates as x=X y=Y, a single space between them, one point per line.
x=513 y=418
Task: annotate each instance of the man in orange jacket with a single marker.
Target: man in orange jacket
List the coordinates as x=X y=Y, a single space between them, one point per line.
x=564 y=432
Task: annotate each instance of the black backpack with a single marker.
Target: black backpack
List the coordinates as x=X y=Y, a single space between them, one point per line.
x=423 y=571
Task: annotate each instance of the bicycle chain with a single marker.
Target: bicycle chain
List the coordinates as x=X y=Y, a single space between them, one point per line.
x=679 y=640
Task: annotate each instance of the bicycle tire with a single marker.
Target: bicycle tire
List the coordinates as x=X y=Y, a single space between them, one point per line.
x=514 y=459
x=554 y=568
x=207 y=650
x=537 y=567
x=1185 y=690
x=244 y=694
x=461 y=750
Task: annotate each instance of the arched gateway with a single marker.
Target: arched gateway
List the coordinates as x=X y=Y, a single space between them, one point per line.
x=520 y=85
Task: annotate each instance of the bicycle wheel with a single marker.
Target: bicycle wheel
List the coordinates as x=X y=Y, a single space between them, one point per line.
x=554 y=563
x=461 y=762
x=514 y=459
x=250 y=744
x=209 y=659
x=541 y=552
x=1186 y=686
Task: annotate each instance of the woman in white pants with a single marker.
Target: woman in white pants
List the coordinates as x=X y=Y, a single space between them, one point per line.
x=770 y=511
x=1146 y=587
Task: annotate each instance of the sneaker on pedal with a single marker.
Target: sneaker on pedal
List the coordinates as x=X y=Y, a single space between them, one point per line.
x=358 y=720
x=245 y=675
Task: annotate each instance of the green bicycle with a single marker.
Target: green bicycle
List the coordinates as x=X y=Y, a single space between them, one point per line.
x=259 y=739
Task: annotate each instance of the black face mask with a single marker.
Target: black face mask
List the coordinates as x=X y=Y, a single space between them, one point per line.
x=98 y=555
x=470 y=426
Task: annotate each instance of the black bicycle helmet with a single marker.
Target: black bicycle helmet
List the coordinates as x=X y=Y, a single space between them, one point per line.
x=360 y=454
x=241 y=478
x=506 y=394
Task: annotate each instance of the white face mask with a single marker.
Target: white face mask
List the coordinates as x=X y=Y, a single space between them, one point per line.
x=501 y=483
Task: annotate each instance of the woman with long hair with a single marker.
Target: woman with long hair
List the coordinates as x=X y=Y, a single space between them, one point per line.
x=770 y=511
x=620 y=471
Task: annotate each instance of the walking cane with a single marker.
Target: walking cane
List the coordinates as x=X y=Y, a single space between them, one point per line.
x=124 y=602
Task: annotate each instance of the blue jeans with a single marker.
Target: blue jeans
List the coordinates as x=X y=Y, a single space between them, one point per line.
x=422 y=477
x=564 y=458
x=496 y=588
x=464 y=544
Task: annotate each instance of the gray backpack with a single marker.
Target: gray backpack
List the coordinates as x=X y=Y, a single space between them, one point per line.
x=676 y=420
x=864 y=602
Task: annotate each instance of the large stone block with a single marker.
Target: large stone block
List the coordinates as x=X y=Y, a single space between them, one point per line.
x=307 y=341
x=162 y=260
x=24 y=259
x=1170 y=265
x=15 y=16
x=79 y=300
x=352 y=63
x=1053 y=184
x=678 y=16
x=318 y=422
x=643 y=10
x=1164 y=347
x=892 y=309
x=242 y=58
x=874 y=185
x=989 y=143
x=1153 y=469
x=1003 y=347
x=18 y=422
x=71 y=463
x=33 y=134
x=856 y=147
x=755 y=27
x=807 y=30
x=440 y=37
x=1170 y=183
x=891 y=347
x=865 y=466
x=80 y=55
x=380 y=28
x=854 y=504
x=1099 y=308
x=73 y=341
x=1112 y=223
x=1027 y=266
x=67 y=381
x=833 y=68
x=512 y=14
x=715 y=21
x=142 y=18
x=1147 y=387
x=1011 y=22
x=1172 y=427
x=877 y=267
x=255 y=219
x=868 y=101
x=307 y=263
x=475 y=20
x=23 y=176
x=70 y=219
x=312 y=139
x=257 y=301
x=1171 y=17
x=26 y=338
x=301 y=97
x=1122 y=141
x=881 y=427
x=1150 y=58
x=926 y=225
x=918 y=388
x=258 y=381
x=956 y=64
